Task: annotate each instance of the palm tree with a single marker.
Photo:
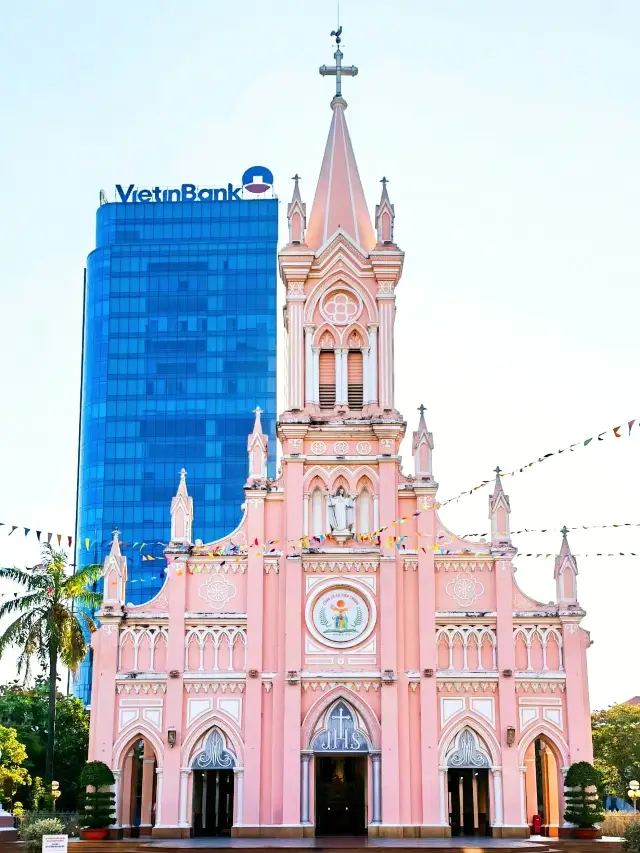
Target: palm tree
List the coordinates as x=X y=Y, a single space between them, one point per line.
x=52 y=612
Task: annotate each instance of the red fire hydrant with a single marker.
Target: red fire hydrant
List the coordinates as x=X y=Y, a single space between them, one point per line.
x=536 y=824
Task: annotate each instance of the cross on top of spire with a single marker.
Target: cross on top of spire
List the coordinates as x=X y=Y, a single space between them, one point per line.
x=338 y=70
x=422 y=409
x=564 y=530
x=498 y=470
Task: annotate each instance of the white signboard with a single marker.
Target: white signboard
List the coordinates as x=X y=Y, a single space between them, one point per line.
x=55 y=843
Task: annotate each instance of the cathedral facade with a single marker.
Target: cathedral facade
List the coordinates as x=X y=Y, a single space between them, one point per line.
x=341 y=662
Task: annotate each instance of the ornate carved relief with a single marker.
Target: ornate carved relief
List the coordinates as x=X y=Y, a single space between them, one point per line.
x=318 y=448
x=139 y=688
x=215 y=755
x=411 y=565
x=352 y=685
x=296 y=288
x=467 y=686
x=216 y=638
x=341 y=448
x=464 y=589
x=463 y=565
x=339 y=566
x=540 y=686
x=217 y=591
x=363 y=448
x=467 y=752
x=214 y=687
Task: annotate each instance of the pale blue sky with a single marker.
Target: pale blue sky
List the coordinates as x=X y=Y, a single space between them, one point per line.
x=510 y=132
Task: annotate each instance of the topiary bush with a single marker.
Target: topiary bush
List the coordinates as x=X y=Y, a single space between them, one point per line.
x=581 y=795
x=97 y=774
x=33 y=832
x=631 y=837
x=98 y=809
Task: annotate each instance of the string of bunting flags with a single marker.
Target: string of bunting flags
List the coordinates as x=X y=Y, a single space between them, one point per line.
x=615 y=431
x=559 y=529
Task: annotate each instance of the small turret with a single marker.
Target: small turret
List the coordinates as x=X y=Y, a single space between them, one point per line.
x=566 y=573
x=422 y=449
x=499 y=510
x=297 y=214
x=115 y=577
x=257 y=450
x=385 y=216
x=182 y=514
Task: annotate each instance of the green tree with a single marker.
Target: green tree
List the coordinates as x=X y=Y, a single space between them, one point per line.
x=616 y=746
x=12 y=772
x=49 y=620
x=26 y=710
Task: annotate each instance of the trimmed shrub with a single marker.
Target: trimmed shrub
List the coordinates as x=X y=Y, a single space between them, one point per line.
x=631 y=837
x=33 y=832
x=581 y=795
x=96 y=774
x=98 y=809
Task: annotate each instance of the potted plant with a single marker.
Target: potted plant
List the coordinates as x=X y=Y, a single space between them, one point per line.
x=97 y=806
x=583 y=807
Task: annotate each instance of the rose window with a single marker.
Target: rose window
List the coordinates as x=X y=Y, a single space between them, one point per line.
x=340 y=309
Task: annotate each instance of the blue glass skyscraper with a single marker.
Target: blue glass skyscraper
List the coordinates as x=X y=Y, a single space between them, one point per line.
x=179 y=348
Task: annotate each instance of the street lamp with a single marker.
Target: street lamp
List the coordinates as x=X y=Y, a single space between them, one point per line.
x=55 y=793
x=634 y=793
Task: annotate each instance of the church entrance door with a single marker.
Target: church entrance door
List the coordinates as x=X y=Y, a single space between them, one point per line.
x=213 y=802
x=469 y=801
x=340 y=794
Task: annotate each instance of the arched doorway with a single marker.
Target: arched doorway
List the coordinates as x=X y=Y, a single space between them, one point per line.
x=543 y=784
x=468 y=765
x=138 y=789
x=346 y=774
x=213 y=786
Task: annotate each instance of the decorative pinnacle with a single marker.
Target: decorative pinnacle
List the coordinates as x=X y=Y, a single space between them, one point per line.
x=384 y=181
x=183 y=474
x=498 y=470
x=257 y=410
x=296 y=177
x=564 y=531
x=422 y=409
x=116 y=534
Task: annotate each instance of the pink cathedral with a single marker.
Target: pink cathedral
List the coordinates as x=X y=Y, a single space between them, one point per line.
x=340 y=663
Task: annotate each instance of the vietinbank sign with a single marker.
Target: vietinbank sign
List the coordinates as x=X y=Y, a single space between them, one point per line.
x=256 y=180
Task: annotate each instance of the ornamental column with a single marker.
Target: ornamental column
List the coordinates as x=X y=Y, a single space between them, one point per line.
x=498 y=813
x=315 y=351
x=341 y=377
x=373 y=364
x=305 y=759
x=295 y=307
x=386 y=312
x=146 y=807
x=238 y=773
x=309 y=394
x=377 y=788
x=184 y=795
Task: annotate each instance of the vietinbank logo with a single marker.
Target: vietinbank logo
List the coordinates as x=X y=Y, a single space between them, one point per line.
x=256 y=180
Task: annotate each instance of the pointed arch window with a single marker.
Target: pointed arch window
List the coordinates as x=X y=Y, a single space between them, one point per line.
x=327 y=371
x=364 y=512
x=317 y=507
x=355 y=387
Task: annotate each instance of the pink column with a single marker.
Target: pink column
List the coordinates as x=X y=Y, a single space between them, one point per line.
x=126 y=782
x=431 y=779
x=176 y=594
x=103 y=694
x=574 y=650
x=295 y=306
x=148 y=771
x=254 y=691
x=510 y=787
x=388 y=644
x=293 y=644
x=386 y=308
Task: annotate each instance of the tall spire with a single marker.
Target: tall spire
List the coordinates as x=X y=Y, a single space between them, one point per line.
x=296 y=213
x=339 y=200
x=422 y=448
x=499 y=511
x=181 y=513
x=566 y=573
x=257 y=449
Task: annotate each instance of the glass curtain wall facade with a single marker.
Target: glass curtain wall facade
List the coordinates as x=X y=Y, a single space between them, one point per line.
x=179 y=348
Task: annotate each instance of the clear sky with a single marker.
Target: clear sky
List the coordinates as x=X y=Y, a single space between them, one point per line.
x=510 y=133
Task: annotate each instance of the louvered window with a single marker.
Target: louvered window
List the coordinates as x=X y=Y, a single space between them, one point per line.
x=354 y=374
x=327 y=379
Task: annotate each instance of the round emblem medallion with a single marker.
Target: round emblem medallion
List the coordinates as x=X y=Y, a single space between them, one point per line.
x=363 y=448
x=341 y=448
x=341 y=617
x=318 y=447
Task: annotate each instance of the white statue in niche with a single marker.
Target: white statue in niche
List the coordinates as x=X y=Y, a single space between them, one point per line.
x=342 y=513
